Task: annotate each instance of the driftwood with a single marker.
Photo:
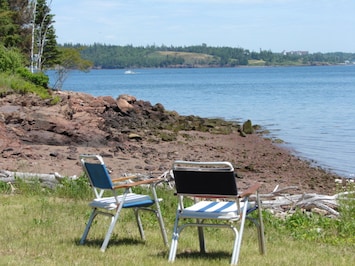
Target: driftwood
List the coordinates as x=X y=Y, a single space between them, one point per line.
x=278 y=202
x=53 y=179
x=46 y=180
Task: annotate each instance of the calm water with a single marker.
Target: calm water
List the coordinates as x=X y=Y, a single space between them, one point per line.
x=311 y=108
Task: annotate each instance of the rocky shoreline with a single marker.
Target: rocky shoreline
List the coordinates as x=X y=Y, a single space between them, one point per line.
x=135 y=136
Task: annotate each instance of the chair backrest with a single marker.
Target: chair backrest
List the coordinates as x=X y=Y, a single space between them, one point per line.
x=205 y=179
x=96 y=171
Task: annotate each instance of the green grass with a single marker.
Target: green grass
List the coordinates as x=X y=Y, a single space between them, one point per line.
x=42 y=227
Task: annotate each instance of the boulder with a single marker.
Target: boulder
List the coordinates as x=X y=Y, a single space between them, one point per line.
x=124 y=103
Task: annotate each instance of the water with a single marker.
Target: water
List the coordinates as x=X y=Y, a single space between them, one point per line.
x=310 y=108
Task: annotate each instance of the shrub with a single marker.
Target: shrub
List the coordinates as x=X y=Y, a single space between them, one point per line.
x=10 y=59
x=39 y=78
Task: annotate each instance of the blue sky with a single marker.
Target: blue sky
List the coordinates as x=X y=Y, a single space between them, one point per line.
x=276 y=25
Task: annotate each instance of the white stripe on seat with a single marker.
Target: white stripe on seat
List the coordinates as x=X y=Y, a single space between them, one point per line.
x=212 y=210
x=109 y=203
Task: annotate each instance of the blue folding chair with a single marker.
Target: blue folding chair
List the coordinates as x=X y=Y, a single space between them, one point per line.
x=111 y=206
x=217 y=203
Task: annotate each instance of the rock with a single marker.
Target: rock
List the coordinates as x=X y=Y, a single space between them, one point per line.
x=248 y=127
x=134 y=136
x=124 y=103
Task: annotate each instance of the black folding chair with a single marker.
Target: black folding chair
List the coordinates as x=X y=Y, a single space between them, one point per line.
x=213 y=187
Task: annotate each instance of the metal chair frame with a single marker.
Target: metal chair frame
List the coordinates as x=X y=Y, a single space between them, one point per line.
x=101 y=181
x=213 y=187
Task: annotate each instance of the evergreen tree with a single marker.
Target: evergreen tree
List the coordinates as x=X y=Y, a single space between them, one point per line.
x=9 y=31
x=22 y=16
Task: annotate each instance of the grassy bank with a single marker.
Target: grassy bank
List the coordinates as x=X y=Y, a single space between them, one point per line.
x=42 y=227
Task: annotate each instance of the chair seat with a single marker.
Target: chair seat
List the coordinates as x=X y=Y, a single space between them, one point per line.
x=132 y=200
x=225 y=210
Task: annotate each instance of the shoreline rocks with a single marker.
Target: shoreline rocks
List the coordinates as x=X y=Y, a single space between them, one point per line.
x=136 y=136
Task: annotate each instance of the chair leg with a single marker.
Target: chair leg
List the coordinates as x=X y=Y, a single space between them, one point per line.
x=260 y=227
x=139 y=223
x=239 y=236
x=235 y=254
x=88 y=226
x=201 y=238
x=173 y=248
x=174 y=241
x=110 y=229
x=159 y=217
x=162 y=228
x=261 y=235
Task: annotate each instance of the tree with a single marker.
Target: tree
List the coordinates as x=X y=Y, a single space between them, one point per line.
x=9 y=31
x=70 y=59
x=22 y=16
x=45 y=53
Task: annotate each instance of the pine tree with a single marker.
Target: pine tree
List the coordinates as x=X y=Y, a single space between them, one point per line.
x=9 y=31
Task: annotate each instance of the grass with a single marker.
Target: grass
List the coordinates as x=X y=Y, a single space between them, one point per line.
x=42 y=227
x=188 y=57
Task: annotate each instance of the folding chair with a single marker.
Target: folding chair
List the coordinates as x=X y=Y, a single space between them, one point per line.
x=101 y=181
x=213 y=187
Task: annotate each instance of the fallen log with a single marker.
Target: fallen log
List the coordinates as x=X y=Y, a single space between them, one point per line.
x=47 y=180
x=279 y=202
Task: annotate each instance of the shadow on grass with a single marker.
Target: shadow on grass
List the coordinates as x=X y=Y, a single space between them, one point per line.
x=213 y=255
x=113 y=242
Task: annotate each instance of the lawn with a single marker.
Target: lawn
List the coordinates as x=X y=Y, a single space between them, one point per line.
x=42 y=227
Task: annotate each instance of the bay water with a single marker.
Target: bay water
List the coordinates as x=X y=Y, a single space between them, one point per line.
x=312 y=109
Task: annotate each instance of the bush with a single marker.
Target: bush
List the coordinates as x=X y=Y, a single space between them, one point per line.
x=13 y=83
x=39 y=78
x=10 y=59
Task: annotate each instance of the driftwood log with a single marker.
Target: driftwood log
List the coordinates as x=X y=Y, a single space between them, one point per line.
x=52 y=179
x=279 y=202
x=46 y=180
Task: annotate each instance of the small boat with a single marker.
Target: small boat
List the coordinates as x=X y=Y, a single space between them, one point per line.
x=129 y=72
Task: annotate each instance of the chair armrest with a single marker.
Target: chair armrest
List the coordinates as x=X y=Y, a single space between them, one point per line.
x=251 y=190
x=137 y=183
x=124 y=178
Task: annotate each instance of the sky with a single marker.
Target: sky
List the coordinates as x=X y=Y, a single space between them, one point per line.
x=276 y=25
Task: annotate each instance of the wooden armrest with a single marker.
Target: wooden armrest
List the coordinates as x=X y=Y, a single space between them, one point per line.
x=137 y=183
x=123 y=178
x=251 y=190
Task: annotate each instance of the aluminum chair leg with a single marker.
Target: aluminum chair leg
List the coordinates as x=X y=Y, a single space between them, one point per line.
x=139 y=223
x=201 y=238
x=235 y=253
x=173 y=248
x=159 y=217
x=162 y=229
x=110 y=229
x=239 y=236
x=260 y=227
x=88 y=226
x=174 y=241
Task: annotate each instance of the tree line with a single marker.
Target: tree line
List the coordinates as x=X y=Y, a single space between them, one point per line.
x=27 y=28
x=128 y=56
